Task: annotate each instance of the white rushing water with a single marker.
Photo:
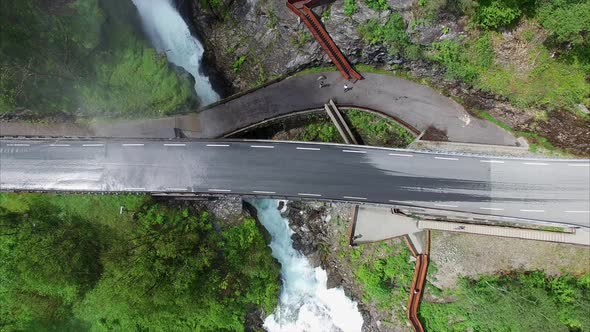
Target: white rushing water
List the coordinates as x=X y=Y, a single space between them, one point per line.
x=169 y=34
x=305 y=303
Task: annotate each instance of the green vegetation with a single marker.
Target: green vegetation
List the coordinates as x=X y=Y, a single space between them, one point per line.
x=529 y=301
x=350 y=7
x=376 y=130
x=568 y=21
x=392 y=34
x=373 y=129
x=83 y=57
x=384 y=272
x=494 y=14
x=386 y=280
x=326 y=14
x=533 y=78
x=377 y=4
x=319 y=130
x=273 y=19
x=301 y=40
x=235 y=67
x=75 y=263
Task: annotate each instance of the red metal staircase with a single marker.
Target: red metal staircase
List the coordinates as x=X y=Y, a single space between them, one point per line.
x=303 y=10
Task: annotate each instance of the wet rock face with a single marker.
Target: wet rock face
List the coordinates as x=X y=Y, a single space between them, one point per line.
x=309 y=225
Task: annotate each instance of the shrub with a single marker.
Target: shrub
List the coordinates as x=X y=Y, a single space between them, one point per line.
x=568 y=21
x=392 y=34
x=237 y=65
x=452 y=55
x=495 y=14
x=529 y=301
x=349 y=7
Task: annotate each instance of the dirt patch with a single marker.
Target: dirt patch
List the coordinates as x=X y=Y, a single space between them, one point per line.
x=435 y=134
x=564 y=130
x=515 y=50
x=469 y=255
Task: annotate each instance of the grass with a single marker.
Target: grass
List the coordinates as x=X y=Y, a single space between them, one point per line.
x=373 y=129
x=550 y=85
x=376 y=130
x=102 y=209
x=530 y=301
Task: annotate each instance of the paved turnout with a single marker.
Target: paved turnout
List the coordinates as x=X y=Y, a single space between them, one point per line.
x=417 y=105
x=537 y=189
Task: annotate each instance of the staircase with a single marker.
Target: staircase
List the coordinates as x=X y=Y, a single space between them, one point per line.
x=302 y=9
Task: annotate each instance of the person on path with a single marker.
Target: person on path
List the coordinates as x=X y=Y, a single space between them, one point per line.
x=347 y=88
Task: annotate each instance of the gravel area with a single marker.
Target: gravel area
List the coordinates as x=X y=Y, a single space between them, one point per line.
x=469 y=255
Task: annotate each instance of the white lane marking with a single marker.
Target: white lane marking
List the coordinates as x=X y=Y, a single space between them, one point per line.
x=577 y=211
x=134 y=189
x=532 y=210
x=218 y=145
x=537 y=164
x=310 y=149
x=579 y=165
x=306 y=194
x=354 y=197
x=446 y=205
x=491 y=209
x=220 y=190
x=492 y=161
x=445 y=158
x=262 y=146
x=174 y=144
x=354 y=151
x=176 y=189
x=132 y=144
x=400 y=155
x=17 y=144
x=59 y=145
x=92 y=144
x=263 y=192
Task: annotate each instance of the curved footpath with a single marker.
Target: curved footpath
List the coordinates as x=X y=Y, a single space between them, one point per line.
x=415 y=105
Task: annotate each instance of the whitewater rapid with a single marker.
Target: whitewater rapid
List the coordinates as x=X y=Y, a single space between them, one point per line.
x=169 y=34
x=305 y=304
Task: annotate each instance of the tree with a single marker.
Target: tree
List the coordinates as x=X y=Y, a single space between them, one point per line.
x=49 y=260
x=175 y=272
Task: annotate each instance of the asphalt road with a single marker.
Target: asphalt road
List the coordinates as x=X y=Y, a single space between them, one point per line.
x=535 y=189
x=415 y=105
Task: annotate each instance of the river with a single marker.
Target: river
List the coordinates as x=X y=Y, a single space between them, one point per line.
x=305 y=304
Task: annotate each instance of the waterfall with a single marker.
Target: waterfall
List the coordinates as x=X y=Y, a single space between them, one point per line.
x=169 y=34
x=306 y=304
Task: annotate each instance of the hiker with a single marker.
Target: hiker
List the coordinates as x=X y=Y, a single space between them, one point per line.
x=322 y=84
x=346 y=88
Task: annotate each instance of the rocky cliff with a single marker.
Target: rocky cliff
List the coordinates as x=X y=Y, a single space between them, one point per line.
x=252 y=41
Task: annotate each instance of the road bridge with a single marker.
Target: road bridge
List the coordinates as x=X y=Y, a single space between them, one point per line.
x=543 y=190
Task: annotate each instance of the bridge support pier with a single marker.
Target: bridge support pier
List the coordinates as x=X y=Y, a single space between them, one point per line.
x=338 y=120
